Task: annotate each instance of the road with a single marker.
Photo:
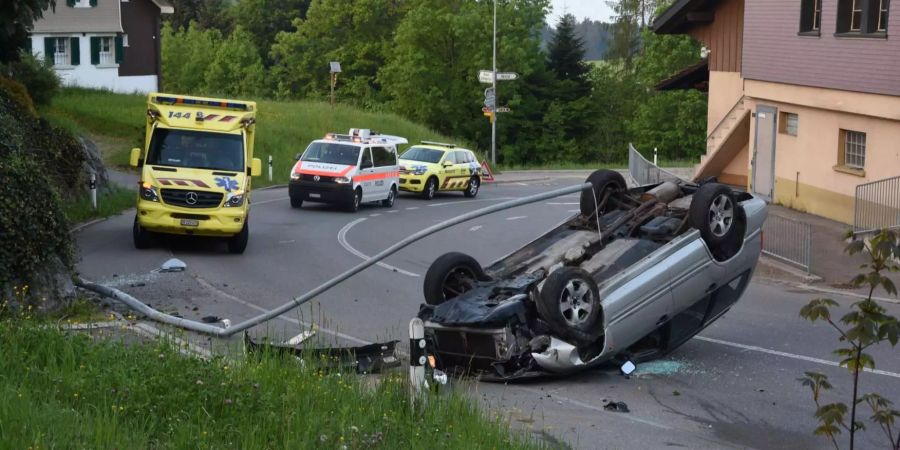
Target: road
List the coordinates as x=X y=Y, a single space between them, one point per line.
x=733 y=386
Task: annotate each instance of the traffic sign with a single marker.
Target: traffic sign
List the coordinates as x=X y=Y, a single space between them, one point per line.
x=486 y=76
x=507 y=76
x=486 y=174
x=502 y=109
x=490 y=100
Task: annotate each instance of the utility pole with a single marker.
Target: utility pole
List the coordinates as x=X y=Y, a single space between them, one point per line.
x=494 y=76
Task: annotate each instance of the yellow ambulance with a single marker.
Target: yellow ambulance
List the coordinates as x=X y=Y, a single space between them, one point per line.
x=196 y=168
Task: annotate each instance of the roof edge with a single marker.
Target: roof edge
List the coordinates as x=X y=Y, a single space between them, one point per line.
x=164 y=6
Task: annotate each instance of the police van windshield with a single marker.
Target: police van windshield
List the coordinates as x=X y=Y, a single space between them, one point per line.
x=197 y=149
x=331 y=153
x=422 y=154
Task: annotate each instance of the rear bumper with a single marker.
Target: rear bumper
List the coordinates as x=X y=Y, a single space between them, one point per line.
x=162 y=218
x=321 y=192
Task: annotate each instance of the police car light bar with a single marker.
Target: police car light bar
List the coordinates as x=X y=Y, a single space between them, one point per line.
x=200 y=102
x=442 y=144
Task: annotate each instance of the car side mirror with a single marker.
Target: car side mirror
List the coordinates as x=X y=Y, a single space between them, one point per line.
x=135 y=159
x=297 y=156
x=256 y=167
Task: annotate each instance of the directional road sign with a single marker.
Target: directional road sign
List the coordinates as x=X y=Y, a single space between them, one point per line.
x=502 y=109
x=507 y=76
x=486 y=76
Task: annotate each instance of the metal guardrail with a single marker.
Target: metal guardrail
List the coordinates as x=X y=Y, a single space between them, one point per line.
x=645 y=172
x=877 y=205
x=788 y=240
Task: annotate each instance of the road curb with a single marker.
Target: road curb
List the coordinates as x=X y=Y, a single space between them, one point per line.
x=793 y=271
x=525 y=180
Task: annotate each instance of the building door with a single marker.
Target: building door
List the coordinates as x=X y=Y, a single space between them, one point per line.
x=763 y=181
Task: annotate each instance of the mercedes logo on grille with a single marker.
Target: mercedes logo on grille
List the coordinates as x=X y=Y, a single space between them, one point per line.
x=191 y=198
x=317 y=178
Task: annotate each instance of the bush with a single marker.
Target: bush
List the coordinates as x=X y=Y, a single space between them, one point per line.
x=18 y=93
x=38 y=77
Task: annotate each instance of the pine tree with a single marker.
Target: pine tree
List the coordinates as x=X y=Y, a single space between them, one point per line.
x=566 y=54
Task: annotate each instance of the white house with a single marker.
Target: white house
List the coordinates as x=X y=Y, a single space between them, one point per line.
x=108 y=44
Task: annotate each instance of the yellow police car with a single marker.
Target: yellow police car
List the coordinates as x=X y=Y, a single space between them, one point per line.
x=434 y=166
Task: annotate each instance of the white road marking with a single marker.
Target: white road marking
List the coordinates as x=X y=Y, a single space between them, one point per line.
x=269 y=201
x=393 y=211
x=412 y=208
x=289 y=241
x=342 y=239
x=790 y=355
x=374 y=215
x=516 y=217
x=574 y=210
x=563 y=203
x=475 y=228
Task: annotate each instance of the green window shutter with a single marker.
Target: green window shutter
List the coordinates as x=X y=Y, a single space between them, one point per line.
x=93 y=3
x=70 y=2
x=49 y=49
x=95 y=50
x=28 y=45
x=120 y=49
x=76 y=51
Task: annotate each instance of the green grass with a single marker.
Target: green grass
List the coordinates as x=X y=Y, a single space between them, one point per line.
x=283 y=128
x=586 y=166
x=63 y=391
x=109 y=203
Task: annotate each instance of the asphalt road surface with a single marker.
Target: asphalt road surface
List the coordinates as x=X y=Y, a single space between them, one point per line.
x=733 y=386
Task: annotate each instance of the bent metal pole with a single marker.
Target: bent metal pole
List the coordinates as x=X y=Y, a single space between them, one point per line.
x=205 y=328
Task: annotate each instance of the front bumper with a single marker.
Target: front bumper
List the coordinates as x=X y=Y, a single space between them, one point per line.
x=162 y=218
x=412 y=183
x=324 y=192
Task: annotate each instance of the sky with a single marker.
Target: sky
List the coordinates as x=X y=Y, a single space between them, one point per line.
x=593 y=9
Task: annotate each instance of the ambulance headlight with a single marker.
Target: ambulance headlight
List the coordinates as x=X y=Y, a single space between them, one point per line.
x=148 y=192
x=342 y=180
x=234 y=200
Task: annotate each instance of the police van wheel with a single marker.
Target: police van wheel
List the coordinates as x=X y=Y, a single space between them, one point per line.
x=353 y=206
x=296 y=202
x=238 y=243
x=430 y=188
x=389 y=201
x=472 y=188
x=142 y=238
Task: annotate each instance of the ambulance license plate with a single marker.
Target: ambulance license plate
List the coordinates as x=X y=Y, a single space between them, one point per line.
x=311 y=195
x=190 y=222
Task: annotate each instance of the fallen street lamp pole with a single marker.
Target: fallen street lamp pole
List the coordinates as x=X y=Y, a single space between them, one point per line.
x=205 y=328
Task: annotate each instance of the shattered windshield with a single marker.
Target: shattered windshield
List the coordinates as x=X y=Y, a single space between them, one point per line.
x=197 y=149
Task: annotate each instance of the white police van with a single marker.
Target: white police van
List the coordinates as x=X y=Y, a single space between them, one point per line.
x=348 y=169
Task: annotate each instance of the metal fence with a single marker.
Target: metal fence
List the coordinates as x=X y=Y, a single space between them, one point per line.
x=877 y=205
x=645 y=172
x=788 y=240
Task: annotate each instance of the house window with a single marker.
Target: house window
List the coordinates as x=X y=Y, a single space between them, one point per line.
x=107 y=57
x=854 y=149
x=124 y=40
x=61 y=52
x=810 y=16
x=865 y=18
x=787 y=123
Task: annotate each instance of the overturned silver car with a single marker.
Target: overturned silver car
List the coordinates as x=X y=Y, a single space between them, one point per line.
x=636 y=274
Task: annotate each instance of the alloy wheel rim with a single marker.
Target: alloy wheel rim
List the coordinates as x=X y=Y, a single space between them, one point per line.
x=576 y=301
x=721 y=215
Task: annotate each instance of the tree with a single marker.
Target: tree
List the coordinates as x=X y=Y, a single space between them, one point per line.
x=16 y=20
x=207 y=14
x=624 y=44
x=867 y=324
x=264 y=19
x=565 y=54
x=186 y=56
x=237 y=69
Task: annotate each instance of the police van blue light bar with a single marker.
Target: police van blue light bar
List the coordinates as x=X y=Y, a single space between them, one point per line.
x=200 y=102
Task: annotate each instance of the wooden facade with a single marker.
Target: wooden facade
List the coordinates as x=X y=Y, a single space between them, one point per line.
x=724 y=36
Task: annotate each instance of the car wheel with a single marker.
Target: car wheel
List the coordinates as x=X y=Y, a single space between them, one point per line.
x=602 y=182
x=570 y=304
x=719 y=218
x=141 y=237
x=389 y=201
x=353 y=206
x=238 y=243
x=451 y=275
x=296 y=202
x=430 y=188
x=472 y=188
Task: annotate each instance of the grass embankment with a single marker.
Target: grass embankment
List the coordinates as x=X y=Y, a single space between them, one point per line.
x=284 y=128
x=64 y=391
x=109 y=202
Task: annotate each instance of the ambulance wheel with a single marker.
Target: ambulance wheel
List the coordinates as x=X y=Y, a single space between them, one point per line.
x=353 y=206
x=451 y=275
x=472 y=188
x=389 y=201
x=142 y=238
x=296 y=202
x=238 y=243
x=430 y=188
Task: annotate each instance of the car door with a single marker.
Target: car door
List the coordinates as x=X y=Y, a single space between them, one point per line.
x=462 y=170
x=365 y=177
x=448 y=166
x=385 y=170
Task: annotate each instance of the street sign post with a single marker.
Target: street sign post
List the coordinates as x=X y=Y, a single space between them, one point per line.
x=486 y=76
x=507 y=76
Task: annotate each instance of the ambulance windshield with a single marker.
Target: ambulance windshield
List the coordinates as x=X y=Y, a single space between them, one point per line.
x=196 y=149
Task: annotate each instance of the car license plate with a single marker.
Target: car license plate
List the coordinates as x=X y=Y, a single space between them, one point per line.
x=315 y=195
x=190 y=222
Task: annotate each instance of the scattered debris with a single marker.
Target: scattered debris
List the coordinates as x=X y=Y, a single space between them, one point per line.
x=676 y=393
x=372 y=358
x=173 y=265
x=210 y=319
x=627 y=368
x=616 y=407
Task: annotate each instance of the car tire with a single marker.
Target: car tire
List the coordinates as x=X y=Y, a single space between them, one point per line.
x=451 y=275
x=141 y=237
x=392 y=195
x=569 y=302
x=472 y=188
x=296 y=202
x=602 y=181
x=238 y=243
x=430 y=188
x=719 y=218
x=356 y=201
